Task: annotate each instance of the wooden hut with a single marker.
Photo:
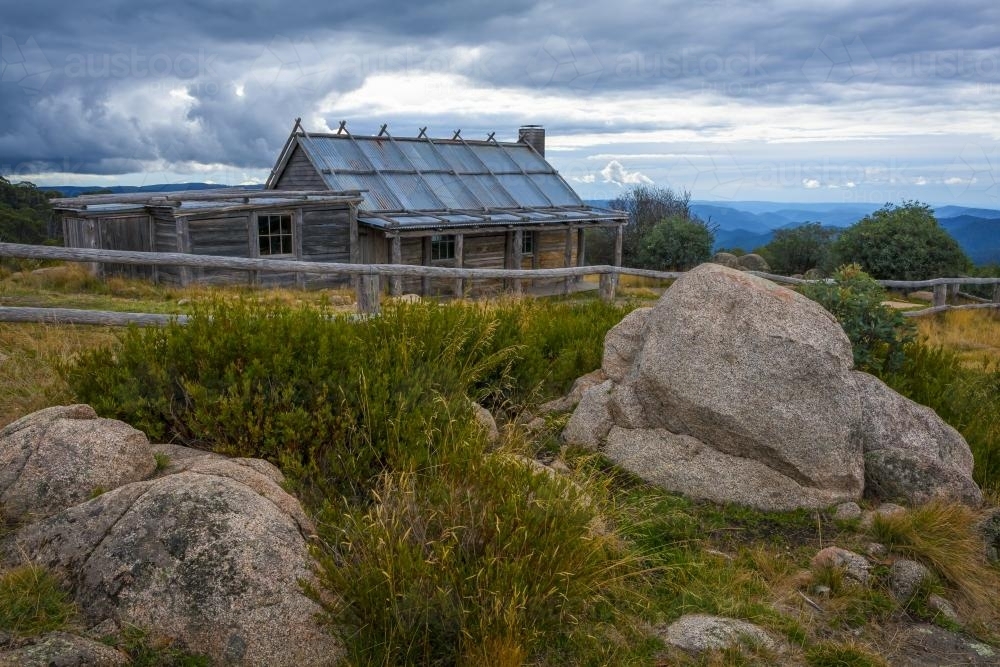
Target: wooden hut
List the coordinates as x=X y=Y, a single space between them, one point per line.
x=307 y=226
x=449 y=202
x=362 y=199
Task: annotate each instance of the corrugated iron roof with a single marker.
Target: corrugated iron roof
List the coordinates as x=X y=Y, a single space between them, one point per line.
x=402 y=178
x=424 y=220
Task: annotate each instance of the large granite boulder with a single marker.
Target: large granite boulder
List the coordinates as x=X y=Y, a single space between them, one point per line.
x=735 y=389
x=209 y=556
x=61 y=456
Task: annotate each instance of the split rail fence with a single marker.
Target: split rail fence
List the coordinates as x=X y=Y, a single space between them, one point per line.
x=367 y=279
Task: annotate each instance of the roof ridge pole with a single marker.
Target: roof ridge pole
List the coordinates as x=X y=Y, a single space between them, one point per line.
x=270 y=183
x=489 y=171
x=416 y=170
x=461 y=183
x=525 y=173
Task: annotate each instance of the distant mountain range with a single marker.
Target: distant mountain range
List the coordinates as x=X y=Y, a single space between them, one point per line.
x=77 y=190
x=749 y=225
x=743 y=224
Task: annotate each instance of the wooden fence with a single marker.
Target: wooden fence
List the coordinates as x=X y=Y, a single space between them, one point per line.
x=368 y=277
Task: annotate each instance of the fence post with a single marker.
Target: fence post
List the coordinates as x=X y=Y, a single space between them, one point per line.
x=609 y=281
x=940 y=295
x=368 y=294
x=996 y=293
x=953 y=291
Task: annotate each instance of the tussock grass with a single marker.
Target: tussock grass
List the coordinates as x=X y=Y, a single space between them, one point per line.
x=484 y=558
x=943 y=536
x=30 y=356
x=33 y=602
x=847 y=654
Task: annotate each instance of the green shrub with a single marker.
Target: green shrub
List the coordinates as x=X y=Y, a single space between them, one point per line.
x=33 y=602
x=482 y=558
x=878 y=333
x=337 y=401
x=903 y=242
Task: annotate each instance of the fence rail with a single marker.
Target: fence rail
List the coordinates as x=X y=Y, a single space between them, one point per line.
x=368 y=277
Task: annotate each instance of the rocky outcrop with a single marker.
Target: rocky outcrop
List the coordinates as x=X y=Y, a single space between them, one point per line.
x=734 y=389
x=209 y=556
x=697 y=633
x=61 y=649
x=61 y=456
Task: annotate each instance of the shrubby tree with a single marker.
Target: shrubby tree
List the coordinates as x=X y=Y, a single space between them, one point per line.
x=879 y=334
x=676 y=244
x=901 y=242
x=799 y=249
x=24 y=213
x=648 y=207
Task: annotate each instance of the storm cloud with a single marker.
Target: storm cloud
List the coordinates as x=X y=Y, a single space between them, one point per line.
x=779 y=100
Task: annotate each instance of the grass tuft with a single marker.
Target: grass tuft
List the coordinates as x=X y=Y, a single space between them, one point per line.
x=943 y=536
x=33 y=602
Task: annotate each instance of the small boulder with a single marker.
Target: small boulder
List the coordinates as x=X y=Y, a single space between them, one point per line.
x=854 y=565
x=905 y=578
x=572 y=399
x=697 y=633
x=727 y=259
x=926 y=645
x=940 y=606
x=990 y=529
x=813 y=274
x=911 y=454
x=754 y=262
x=60 y=649
x=61 y=456
x=486 y=422
x=847 y=512
x=591 y=420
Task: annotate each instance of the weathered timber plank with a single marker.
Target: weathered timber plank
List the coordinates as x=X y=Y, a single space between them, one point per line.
x=95 y=317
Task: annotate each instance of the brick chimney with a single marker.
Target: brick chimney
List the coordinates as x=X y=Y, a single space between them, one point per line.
x=534 y=136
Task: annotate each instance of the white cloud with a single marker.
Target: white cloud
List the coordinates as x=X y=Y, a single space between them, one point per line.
x=920 y=180
x=810 y=183
x=615 y=173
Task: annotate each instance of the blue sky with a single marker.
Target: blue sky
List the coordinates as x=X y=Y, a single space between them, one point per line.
x=843 y=102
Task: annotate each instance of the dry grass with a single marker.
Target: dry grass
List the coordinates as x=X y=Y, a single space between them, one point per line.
x=974 y=334
x=72 y=286
x=29 y=358
x=944 y=536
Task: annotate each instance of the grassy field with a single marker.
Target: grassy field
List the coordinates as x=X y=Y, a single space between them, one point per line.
x=973 y=334
x=510 y=567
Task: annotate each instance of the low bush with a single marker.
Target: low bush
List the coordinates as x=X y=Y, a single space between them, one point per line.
x=878 y=333
x=334 y=400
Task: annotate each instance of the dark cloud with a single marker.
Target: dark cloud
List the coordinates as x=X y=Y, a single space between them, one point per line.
x=122 y=84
